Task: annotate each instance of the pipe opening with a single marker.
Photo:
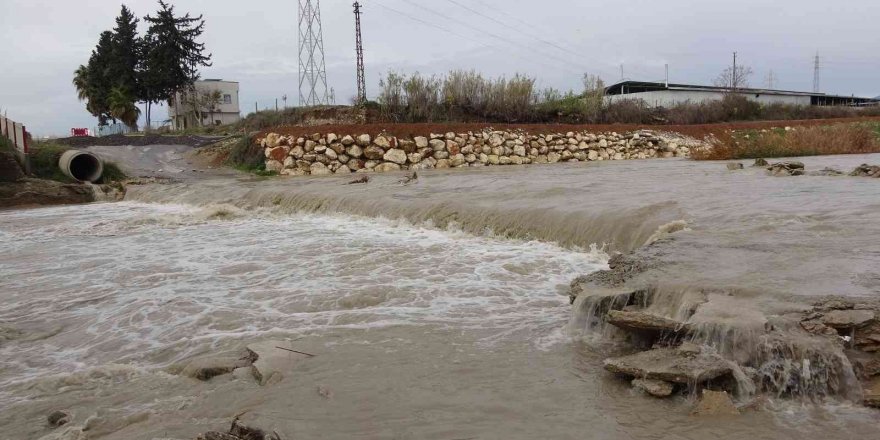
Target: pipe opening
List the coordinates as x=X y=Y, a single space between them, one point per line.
x=82 y=166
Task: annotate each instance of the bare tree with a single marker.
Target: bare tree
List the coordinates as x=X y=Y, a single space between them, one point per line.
x=211 y=100
x=734 y=79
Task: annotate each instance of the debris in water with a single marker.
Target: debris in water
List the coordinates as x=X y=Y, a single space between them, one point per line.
x=58 y=418
x=365 y=179
x=409 y=179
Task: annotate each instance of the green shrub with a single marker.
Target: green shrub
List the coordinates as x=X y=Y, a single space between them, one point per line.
x=246 y=155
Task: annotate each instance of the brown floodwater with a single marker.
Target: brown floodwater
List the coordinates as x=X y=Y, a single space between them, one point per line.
x=436 y=310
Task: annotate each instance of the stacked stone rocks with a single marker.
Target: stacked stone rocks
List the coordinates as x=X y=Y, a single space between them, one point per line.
x=322 y=154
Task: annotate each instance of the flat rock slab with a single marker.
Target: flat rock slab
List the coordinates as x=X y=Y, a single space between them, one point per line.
x=274 y=360
x=207 y=367
x=842 y=319
x=670 y=365
x=871 y=393
x=656 y=388
x=715 y=403
x=644 y=322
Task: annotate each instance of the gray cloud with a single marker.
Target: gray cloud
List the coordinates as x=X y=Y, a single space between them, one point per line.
x=554 y=40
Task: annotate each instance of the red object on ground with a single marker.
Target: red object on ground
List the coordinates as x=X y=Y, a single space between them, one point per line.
x=79 y=132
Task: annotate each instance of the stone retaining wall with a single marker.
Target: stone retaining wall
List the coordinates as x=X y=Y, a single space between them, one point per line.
x=322 y=154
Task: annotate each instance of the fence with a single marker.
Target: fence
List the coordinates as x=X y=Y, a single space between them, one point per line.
x=112 y=129
x=15 y=132
x=18 y=135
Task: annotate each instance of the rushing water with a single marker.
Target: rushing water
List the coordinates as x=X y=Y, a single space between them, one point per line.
x=437 y=310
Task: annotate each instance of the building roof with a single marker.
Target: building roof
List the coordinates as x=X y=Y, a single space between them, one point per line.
x=627 y=87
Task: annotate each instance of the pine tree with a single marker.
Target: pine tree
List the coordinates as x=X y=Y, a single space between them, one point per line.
x=173 y=55
x=126 y=53
x=98 y=79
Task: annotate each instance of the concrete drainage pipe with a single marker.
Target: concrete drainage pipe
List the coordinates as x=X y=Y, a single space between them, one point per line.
x=81 y=166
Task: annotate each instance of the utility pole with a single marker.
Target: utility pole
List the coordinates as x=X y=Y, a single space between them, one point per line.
x=312 y=70
x=816 y=74
x=359 y=47
x=733 y=75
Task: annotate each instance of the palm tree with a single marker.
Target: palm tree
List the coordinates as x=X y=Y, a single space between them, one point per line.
x=122 y=107
x=81 y=82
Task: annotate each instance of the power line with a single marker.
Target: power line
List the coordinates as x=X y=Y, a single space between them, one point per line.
x=497 y=37
x=507 y=26
x=427 y=23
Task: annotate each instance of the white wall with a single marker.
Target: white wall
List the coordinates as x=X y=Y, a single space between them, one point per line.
x=227 y=112
x=669 y=98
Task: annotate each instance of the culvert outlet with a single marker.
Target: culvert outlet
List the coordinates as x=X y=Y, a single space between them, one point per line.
x=81 y=166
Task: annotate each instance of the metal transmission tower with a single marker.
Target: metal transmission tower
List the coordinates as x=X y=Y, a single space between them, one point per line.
x=361 y=80
x=816 y=74
x=312 y=72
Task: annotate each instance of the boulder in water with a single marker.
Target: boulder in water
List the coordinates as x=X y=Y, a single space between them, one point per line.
x=207 y=367
x=866 y=170
x=715 y=403
x=790 y=168
x=274 y=360
x=733 y=166
x=641 y=322
x=759 y=162
x=670 y=365
x=58 y=418
x=847 y=319
x=656 y=388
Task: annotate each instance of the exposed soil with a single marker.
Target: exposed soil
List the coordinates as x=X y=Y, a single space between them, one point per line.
x=404 y=130
x=137 y=141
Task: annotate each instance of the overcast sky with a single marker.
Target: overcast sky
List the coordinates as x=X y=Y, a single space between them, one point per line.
x=556 y=41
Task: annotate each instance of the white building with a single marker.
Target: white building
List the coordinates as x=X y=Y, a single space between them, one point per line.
x=658 y=94
x=217 y=103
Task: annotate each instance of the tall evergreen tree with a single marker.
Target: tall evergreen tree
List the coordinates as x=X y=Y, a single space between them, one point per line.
x=98 y=80
x=173 y=54
x=126 y=53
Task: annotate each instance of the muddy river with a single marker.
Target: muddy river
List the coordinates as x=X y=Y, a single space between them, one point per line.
x=435 y=310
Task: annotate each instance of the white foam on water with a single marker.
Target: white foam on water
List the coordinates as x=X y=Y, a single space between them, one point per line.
x=126 y=282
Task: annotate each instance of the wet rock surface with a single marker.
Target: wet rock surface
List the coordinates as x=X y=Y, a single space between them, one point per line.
x=39 y=192
x=670 y=365
x=641 y=322
x=243 y=427
x=715 y=403
x=866 y=170
x=790 y=168
x=58 y=418
x=656 y=388
x=274 y=360
x=207 y=367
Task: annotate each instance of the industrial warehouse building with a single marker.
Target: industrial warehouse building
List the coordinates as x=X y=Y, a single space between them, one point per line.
x=659 y=94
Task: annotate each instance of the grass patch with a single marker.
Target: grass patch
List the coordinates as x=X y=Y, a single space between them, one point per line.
x=44 y=158
x=6 y=145
x=857 y=138
x=246 y=155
